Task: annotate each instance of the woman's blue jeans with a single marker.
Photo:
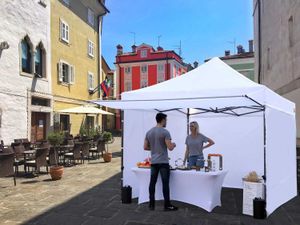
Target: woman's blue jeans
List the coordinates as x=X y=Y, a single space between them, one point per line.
x=193 y=160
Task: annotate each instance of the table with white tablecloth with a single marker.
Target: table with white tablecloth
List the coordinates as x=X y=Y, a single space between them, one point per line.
x=198 y=188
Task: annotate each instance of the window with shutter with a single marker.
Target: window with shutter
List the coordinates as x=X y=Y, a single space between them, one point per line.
x=72 y=74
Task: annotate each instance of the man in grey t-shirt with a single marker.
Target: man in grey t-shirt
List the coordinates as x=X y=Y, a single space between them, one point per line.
x=158 y=141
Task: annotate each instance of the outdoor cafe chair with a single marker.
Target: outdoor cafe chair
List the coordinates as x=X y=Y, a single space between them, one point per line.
x=85 y=152
x=75 y=154
x=18 y=149
x=7 y=165
x=39 y=160
x=100 y=148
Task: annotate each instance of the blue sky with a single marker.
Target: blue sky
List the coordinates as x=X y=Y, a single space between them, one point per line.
x=204 y=27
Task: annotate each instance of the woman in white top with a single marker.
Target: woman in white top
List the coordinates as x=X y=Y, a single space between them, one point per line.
x=195 y=145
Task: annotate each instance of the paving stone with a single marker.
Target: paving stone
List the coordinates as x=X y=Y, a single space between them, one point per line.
x=90 y=194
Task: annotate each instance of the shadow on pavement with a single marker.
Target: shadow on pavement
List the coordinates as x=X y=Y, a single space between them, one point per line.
x=102 y=205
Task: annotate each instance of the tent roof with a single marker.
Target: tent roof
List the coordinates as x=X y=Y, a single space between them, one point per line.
x=213 y=84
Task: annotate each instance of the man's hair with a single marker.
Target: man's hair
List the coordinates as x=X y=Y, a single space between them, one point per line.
x=160 y=116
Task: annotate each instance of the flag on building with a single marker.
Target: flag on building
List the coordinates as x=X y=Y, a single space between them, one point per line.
x=105 y=86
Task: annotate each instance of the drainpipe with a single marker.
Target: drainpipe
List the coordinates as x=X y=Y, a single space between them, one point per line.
x=99 y=49
x=259 y=41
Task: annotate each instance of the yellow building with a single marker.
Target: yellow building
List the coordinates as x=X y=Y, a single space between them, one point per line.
x=75 y=51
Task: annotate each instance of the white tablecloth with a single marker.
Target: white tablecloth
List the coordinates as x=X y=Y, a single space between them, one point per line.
x=198 y=188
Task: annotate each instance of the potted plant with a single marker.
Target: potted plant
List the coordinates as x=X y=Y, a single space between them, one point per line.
x=55 y=139
x=107 y=138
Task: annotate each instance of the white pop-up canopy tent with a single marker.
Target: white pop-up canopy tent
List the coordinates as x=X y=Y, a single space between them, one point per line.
x=253 y=127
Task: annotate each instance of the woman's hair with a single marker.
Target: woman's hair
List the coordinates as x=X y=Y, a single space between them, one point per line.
x=194 y=123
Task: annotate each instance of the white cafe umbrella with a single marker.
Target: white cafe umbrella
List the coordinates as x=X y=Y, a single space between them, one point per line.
x=85 y=109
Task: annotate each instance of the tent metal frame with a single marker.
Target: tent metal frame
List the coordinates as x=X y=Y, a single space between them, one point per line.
x=255 y=108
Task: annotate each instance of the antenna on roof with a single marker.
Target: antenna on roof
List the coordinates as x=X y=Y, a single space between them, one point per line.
x=158 y=40
x=234 y=44
x=133 y=36
x=178 y=47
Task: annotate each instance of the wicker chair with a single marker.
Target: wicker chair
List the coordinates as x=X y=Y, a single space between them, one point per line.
x=85 y=152
x=19 y=149
x=100 y=148
x=7 y=165
x=75 y=154
x=40 y=160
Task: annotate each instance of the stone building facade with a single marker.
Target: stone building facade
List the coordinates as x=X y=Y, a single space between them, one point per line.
x=25 y=70
x=277 y=48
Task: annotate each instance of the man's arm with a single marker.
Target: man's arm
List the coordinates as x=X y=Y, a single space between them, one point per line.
x=170 y=145
x=146 y=145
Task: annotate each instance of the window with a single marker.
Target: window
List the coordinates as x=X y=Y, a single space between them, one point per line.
x=66 y=73
x=90 y=81
x=161 y=68
x=127 y=79
x=160 y=77
x=39 y=61
x=160 y=73
x=291 y=32
x=91 y=17
x=144 y=69
x=90 y=122
x=64 y=31
x=268 y=59
x=91 y=48
x=40 y=101
x=128 y=70
x=144 y=80
x=26 y=55
x=127 y=85
x=64 y=122
x=144 y=53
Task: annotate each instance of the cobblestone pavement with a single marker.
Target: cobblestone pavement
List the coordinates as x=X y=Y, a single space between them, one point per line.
x=90 y=194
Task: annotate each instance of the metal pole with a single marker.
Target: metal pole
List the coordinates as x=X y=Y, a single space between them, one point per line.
x=265 y=162
x=122 y=140
x=188 y=121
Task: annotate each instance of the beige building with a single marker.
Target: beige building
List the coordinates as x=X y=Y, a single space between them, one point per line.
x=277 y=48
x=76 y=71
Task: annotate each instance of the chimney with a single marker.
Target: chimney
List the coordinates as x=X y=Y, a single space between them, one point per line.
x=250 y=45
x=240 y=49
x=119 y=49
x=195 y=64
x=227 y=52
x=159 y=48
x=133 y=48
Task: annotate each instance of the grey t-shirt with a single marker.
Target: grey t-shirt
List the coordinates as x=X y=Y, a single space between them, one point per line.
x=195 y=144
x=156 y=137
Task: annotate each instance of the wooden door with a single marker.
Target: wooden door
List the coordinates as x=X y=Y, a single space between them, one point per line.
x=38 y=126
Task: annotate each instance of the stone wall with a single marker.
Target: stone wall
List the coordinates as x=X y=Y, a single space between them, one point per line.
x=19 y=18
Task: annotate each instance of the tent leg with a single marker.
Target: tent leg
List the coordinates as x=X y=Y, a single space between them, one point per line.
x=188 y=121
x=265 y=147
x=122 y=139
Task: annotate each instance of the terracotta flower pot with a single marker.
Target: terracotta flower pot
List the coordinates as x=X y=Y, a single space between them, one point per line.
x=56 y=172
x=107 y=157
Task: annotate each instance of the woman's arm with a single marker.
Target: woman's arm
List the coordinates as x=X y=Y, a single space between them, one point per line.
x=186 y=155
x=210 y=143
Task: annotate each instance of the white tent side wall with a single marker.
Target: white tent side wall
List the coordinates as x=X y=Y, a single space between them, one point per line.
x=239 y=140
x=281 y=172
